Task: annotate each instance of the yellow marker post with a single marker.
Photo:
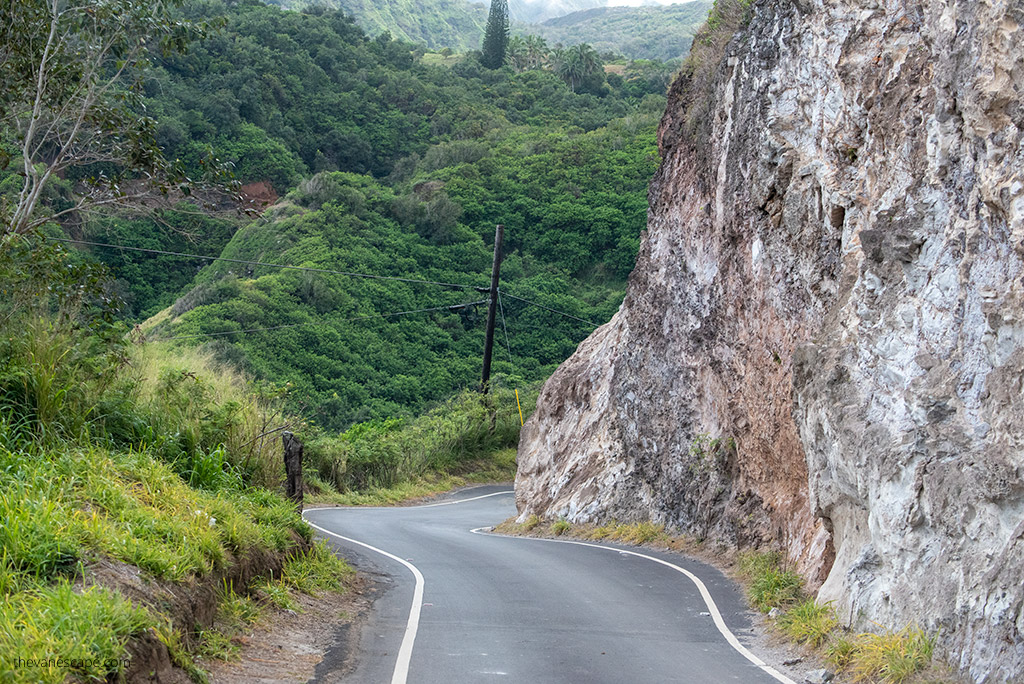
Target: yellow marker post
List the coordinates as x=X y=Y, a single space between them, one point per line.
x=520 y=408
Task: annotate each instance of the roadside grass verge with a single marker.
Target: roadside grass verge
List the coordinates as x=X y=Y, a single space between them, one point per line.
x=893 y=657
x=311 y=573
x=471 y=438
x=86 y=629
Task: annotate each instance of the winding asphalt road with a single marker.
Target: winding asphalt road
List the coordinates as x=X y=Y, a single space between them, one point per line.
x=464 y=606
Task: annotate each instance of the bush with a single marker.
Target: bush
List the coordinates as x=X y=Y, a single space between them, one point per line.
x=467 y=433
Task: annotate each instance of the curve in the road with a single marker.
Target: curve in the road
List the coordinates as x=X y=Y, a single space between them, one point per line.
x=401 y=671
x=716 y=614
x=401 y=674
x=405 y=651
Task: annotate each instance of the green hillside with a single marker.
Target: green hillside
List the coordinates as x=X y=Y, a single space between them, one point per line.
x=573 y=206
x=393 y=165
x=456 y=24
x=652 y=32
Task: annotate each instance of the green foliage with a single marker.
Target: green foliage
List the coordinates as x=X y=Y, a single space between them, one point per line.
x=318 y=570
x=458 y=436
x=771 y=586
x=809 y=622
x=149 y=282
x=560 y=527
x=70 y=102
x=282 y=94
x=348 y=364
x=87 y=629
x=495 y=45
x=650 y=32
x=435 y=23
x=840 y=650
x=580 y=67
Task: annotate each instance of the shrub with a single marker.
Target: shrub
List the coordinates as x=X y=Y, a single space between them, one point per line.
x=467 y=433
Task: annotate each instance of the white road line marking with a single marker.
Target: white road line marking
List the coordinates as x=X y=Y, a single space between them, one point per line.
x=401 y=673
x=405 y=652
x=405 y=508
x=716 y=615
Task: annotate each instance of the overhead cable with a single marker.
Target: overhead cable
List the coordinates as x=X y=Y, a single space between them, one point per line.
x=548 y=308
x=246 y=262
x=343 y=320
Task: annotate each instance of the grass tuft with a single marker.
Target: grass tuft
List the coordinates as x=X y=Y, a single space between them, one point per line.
x=531 y=522
x=318 y=570
x=87 y=629
x=809 y=622
x=892 y=656
x=770 y=585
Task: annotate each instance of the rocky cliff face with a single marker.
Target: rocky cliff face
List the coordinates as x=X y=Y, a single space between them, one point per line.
x=822 y=345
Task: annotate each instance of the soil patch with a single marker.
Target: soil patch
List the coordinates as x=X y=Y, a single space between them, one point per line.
x=288 y=645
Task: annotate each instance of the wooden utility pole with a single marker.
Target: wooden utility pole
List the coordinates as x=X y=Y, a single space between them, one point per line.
x=293 y=468
x=492 y=307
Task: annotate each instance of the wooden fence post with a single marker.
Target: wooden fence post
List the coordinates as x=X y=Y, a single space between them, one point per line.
x=293 y=467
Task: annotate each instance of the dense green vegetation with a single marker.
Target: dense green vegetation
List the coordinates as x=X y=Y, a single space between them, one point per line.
x=111 y=452
x=283 y=95
x=455 y=24
x=407 y=168
x=392 y=166
x=649 y=32
x=573 y=209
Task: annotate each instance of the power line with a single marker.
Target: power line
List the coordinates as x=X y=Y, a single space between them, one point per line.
x=504 y=327
x=261 y=263
x=548 y=308
x=343 y=320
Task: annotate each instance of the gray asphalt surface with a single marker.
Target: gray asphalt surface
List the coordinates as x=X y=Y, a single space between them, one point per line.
x=510 y=609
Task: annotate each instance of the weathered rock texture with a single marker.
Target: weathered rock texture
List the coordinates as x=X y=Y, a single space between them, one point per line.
x=822 y=345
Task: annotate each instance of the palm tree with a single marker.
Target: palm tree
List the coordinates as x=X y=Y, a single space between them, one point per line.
x=517 y=54
x=575 y=63
x=536 y=51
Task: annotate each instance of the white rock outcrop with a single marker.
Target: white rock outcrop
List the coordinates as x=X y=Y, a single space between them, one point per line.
x=822 y=344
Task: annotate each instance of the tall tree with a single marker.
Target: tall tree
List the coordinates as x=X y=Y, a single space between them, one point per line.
x=496 y=35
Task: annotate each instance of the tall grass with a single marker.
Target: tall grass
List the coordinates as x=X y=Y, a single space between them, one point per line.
x=770 y=585
x=891 y=656
x=213 y=415
x=469 y=432
x=107 y=449
x=86 y=629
